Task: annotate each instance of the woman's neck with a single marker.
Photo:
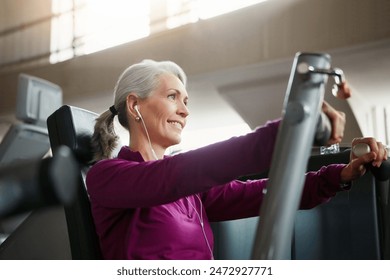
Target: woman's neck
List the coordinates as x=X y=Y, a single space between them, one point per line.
x=148 y=152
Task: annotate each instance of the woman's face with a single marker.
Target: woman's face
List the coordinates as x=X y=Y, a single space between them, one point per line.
x=165 y=111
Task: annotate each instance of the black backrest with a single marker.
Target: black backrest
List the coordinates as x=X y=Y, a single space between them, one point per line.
x=73 y=127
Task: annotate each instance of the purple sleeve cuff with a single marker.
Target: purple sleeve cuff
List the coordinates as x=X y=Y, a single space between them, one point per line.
x=321 y=186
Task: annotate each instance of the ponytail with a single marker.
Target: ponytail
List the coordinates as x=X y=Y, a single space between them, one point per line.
x=104 y=139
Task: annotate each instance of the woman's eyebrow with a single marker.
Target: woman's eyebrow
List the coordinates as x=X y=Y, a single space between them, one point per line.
x=178 y=92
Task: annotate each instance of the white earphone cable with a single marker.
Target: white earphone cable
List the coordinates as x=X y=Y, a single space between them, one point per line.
x=200 y=217
x=147 y=135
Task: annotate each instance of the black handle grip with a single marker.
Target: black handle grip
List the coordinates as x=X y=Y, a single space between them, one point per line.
x=381 y=173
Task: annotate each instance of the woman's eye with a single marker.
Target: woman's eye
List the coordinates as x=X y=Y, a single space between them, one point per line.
x=172 y=96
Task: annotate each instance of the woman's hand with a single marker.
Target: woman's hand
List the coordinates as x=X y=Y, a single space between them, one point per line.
x=337 y=118
x=343 y=91
x=357 y=165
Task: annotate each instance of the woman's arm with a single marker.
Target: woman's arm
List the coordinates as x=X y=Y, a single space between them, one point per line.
x=237 y=199
x=120 y=183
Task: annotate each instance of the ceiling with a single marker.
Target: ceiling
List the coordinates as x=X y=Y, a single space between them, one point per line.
x=255 y=93
x=239 y=73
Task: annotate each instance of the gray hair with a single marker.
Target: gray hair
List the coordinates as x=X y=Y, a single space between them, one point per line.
x=141 y=78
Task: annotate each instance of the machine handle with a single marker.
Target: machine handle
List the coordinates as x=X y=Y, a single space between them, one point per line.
x=381 y=173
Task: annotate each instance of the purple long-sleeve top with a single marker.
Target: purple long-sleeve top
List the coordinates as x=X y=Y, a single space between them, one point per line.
x=154 y=209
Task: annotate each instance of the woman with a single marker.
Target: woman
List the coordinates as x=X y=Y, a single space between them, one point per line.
x=150 y=206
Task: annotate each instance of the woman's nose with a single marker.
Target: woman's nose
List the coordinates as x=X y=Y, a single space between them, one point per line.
x=183 y=110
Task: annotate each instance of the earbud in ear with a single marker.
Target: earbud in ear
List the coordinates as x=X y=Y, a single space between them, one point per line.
x=136 y=109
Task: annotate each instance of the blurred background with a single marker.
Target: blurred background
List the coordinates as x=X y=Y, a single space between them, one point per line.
x=237 y=54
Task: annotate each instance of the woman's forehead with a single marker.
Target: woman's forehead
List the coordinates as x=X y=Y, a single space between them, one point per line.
x=171 y=82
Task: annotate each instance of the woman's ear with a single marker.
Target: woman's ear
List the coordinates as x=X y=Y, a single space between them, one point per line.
x=131 y=102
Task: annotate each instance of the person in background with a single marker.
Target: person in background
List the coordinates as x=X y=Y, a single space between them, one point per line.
x=147 y=205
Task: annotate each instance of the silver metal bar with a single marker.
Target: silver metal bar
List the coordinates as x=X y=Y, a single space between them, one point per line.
x=302 y=104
